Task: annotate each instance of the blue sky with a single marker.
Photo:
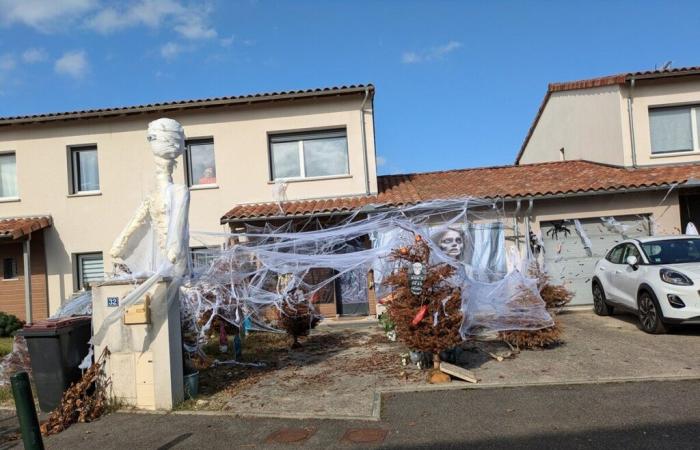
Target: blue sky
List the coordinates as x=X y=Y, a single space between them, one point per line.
x=458 y=83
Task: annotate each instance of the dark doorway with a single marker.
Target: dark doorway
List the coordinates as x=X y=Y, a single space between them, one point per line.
x=690 y=209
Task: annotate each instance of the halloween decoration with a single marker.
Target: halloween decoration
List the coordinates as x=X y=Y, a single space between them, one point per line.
x=429 y=321
x=558 y=227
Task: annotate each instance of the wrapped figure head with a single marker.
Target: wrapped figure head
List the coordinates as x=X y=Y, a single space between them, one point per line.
x=167 y=138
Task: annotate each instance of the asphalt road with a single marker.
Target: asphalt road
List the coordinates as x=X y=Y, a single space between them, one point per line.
x=627 y=415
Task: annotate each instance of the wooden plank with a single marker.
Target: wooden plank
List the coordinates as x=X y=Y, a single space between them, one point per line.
x=458 y=372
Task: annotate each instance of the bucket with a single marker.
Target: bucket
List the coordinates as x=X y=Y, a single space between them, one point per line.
x=191 y=385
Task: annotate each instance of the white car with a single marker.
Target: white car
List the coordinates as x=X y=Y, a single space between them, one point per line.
x=657 y=278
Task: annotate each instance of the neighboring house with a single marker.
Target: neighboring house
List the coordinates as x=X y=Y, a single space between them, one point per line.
x=633 y=120
x=72 y=180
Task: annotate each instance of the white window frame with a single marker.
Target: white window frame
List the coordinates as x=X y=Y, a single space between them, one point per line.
x=14 y=197
x=193 y=250
x=188 y=162
x=79 y=267
x=298 y=137
x=74 y=171
x=694 y=110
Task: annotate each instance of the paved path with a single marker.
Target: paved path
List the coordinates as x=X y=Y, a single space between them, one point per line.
x=619 y=415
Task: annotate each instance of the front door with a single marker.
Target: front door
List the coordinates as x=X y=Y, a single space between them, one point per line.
x=352 y=296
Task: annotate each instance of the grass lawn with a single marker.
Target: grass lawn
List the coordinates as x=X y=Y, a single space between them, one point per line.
x=5 y=346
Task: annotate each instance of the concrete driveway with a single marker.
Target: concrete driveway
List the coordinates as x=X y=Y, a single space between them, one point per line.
x=598 y=349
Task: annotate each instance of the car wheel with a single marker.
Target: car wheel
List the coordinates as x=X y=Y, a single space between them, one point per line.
x=649 y=314
x=600 y=306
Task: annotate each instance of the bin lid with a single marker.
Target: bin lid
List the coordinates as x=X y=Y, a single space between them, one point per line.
x=53 y=326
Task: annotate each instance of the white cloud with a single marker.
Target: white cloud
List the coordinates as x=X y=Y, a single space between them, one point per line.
x=7 y=62
x=190 y=22
x=381 y=161
x=170 y=50
x=194 y=27
x=43 y=15
x=73 y=64
x=227 y=42
x=432 y=54
x=34 y=55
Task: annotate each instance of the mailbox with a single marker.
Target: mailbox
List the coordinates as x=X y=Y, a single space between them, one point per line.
x=139 y=313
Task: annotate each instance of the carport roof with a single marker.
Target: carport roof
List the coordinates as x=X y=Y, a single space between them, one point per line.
x=539 y=180
x=18 y=227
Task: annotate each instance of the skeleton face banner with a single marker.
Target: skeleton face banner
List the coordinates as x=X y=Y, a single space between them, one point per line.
x=451 y=242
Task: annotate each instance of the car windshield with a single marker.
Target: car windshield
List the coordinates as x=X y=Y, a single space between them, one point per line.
x=672 y=251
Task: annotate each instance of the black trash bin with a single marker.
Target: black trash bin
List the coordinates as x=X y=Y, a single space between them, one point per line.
x=56 y=349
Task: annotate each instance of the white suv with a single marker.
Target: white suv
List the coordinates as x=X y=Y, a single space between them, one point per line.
x=657 y=278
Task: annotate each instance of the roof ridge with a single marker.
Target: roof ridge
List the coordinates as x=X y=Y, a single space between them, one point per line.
x=504 y=166
x=198 y=102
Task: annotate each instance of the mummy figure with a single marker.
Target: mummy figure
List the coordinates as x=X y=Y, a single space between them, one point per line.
x=158 y=232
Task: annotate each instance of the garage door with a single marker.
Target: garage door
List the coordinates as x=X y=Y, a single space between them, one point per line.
x=569 y=261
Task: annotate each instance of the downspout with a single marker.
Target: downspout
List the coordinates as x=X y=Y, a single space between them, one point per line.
x=364 y=141
x=515 y=224
x=630 y=115
x=528 y=211
x=27 y=261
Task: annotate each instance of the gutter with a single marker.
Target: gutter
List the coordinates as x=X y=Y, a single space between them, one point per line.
x=364 y=141
x=630 y=114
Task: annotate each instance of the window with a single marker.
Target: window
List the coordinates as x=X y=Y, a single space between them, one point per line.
x=615 y=255
x=674 y=129
x=8 y=175
x=200 y=163
x=84 y=171
x=9 y=268
x=203 y=257
x=632 y=250
x=89 y=267
x=306 y=155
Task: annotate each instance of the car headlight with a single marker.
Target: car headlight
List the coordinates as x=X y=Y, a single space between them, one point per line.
x=674 y=277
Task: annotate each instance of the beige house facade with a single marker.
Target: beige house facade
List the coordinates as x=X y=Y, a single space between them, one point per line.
x=89 y=170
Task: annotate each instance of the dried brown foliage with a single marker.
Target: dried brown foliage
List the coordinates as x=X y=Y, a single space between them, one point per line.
x=533 y=339
x=554 y=295
x=84 y=401
x=404 y=306
x=297 y=319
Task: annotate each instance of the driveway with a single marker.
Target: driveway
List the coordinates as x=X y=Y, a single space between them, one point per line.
x=598 y=349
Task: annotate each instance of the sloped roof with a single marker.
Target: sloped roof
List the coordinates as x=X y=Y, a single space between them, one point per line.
x=18 y=227
x=609 y=80
x=189 y=104
x=507 y=182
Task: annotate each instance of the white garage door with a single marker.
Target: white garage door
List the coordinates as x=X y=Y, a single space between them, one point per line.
x=566 y=257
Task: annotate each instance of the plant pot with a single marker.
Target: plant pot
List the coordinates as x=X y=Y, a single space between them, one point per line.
x=191 y=384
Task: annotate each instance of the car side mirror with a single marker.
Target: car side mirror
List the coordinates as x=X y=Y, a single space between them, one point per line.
x=633 y=261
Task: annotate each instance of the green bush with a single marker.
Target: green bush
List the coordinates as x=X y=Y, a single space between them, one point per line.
x=386 y=322
x=9 y=324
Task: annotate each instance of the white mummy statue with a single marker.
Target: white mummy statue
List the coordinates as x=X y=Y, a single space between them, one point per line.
x=156 y=239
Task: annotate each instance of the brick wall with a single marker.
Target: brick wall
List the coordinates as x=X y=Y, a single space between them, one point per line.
x=12 y=291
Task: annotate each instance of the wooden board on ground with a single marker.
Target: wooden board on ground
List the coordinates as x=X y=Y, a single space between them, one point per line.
x=458 y=372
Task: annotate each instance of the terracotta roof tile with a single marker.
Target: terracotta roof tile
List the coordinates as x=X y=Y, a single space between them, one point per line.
x=188 y=104
x=18 y=227
x=521 y=181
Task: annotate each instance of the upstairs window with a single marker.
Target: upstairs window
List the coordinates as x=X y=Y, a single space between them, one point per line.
x=85 y=175
x=8 y=175
x=674 y=129
x=308 y=155
x=200 y=163
x=89 y=268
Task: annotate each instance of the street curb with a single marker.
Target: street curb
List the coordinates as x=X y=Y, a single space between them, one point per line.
x=375 y=415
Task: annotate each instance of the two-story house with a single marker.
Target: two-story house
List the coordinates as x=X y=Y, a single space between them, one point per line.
x=70 y=181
